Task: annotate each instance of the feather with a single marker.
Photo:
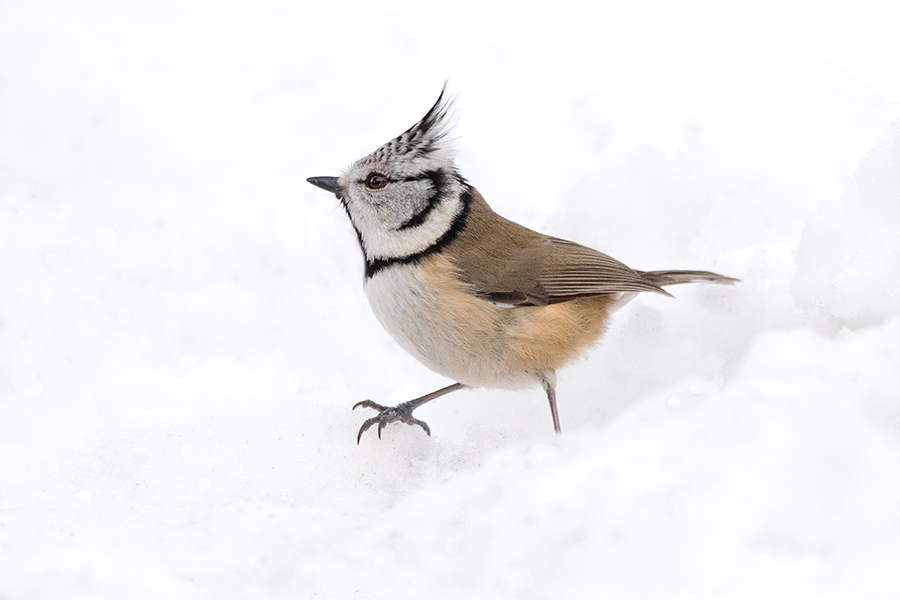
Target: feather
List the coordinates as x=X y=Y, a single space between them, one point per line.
x=506 y=263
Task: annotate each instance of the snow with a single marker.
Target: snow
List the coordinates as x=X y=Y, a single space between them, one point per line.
x=859 y=280
x=183 y=329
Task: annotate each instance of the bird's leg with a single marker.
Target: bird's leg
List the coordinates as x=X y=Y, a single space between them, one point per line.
x=548 y=380
x=401 y=412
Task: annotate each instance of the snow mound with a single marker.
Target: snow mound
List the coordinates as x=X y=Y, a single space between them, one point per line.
x=848 y=259
x=774 y=486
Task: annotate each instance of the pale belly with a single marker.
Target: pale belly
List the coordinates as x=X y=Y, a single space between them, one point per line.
x=472 y=341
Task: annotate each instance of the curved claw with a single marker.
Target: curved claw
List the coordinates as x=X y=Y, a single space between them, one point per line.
x=386 y=415
x=369 y=404
x=421 y=424
x=366 y=424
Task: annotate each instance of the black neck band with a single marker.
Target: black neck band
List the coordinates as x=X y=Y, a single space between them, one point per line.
x=375 y=265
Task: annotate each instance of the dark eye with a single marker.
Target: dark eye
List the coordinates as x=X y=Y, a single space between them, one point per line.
x=376 y=181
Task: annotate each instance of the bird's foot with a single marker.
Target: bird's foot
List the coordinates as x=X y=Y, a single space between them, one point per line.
x=389 y=414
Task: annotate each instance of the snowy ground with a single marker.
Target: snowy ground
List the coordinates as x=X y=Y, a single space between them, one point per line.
x=183 y=329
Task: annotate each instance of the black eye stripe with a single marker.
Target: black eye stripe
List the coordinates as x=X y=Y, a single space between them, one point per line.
x=409 y=179
x=388 y=179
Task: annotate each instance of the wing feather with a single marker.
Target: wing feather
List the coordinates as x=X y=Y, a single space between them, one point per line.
x=507 y=263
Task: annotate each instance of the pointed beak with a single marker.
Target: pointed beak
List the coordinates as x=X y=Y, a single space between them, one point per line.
x=329 y=184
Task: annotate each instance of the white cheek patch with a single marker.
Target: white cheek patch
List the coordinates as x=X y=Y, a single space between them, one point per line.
x=407 y=199
x=387 y=242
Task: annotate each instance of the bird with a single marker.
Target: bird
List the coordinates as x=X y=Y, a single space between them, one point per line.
x=475 y=297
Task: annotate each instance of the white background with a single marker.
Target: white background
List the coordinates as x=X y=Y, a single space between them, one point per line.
x=183 y=329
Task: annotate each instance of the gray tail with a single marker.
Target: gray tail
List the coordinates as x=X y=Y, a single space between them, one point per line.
x=662 y=278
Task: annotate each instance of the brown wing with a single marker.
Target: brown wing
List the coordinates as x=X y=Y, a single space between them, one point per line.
x=570 y=270
x=556 y=270
x=506 y=262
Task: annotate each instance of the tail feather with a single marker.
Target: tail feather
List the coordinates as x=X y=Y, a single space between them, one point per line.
x=662 y=278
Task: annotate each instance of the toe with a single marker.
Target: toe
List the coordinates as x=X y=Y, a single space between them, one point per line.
x=387 y=415
x=421 y=424
x=369 y=404
x=365 y=426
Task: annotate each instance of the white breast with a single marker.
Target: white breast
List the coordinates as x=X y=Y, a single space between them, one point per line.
x=448 y=330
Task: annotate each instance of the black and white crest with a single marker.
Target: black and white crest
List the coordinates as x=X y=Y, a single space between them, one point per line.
x=427 y=138
x=406 y=199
